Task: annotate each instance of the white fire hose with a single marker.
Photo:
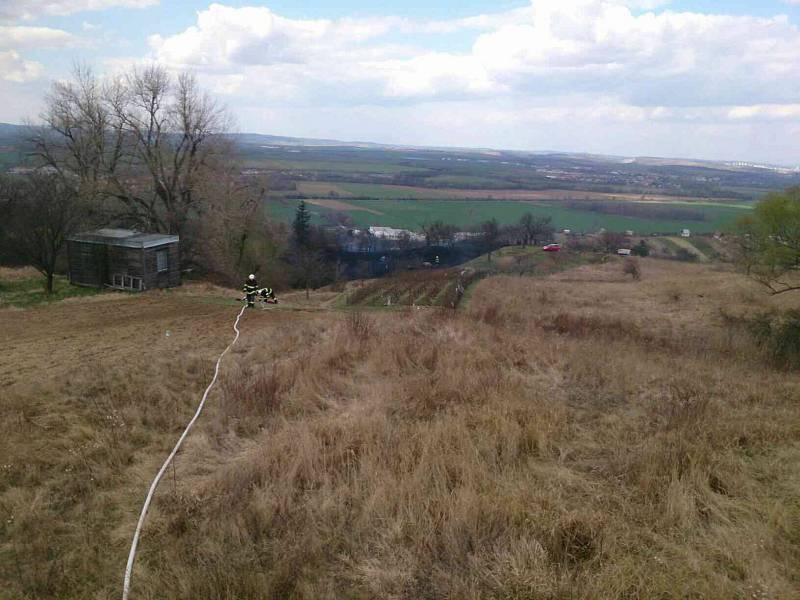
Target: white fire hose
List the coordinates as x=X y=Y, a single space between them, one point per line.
x=132 y=555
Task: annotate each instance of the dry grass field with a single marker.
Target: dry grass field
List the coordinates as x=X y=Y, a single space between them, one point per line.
x=576 y=436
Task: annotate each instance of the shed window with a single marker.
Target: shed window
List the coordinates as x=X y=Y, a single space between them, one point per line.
x=162 y=260
x=127 y=282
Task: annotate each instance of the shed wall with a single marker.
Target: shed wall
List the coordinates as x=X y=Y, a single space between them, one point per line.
x=97 y=264
x=169 y=278
x=87 y=263
x=124 y=261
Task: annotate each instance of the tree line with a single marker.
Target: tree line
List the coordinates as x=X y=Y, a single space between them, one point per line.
x=146 y=151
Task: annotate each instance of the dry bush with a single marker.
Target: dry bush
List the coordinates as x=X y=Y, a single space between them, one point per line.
x=674 y=295
x=249 y=399
x=576 y=540
x=491 y=315
x=360 y=326
x=778 y=334
x=632 y=267
x=585 y=325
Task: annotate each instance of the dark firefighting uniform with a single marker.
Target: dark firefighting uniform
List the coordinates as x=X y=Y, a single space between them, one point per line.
x=267 y=295
x=250 y=290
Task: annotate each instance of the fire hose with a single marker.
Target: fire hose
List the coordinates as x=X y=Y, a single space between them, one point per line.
x=132 y=554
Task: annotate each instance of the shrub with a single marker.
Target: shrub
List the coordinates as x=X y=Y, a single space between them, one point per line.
x=641 y=249
x=575 y=540
x=685 y=255
x=631 y=267
x=249 y=398
x=779 y=335
x=589 y=325
x=359 y=325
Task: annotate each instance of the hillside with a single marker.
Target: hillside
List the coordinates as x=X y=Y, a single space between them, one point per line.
x=575 y=435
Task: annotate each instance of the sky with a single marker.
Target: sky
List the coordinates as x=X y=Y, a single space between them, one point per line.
x=682 y=78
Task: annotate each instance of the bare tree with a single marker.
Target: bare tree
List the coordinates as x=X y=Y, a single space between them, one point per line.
x=234 y=236
x=41 y=211
x=439 y=233
x=490 y=234
x=404 y=241
x=612 y=240
x=138 y=145
x=534 y=229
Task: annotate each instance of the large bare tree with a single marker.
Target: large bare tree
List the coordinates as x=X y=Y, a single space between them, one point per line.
x=138 y=144
x=235 y=236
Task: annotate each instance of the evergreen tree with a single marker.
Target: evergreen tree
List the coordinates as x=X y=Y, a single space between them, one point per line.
x=489 y=235
x=306 y=254
x=641 y=249
x=301 y=227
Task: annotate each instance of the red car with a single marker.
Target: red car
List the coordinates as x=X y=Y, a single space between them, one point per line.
x=551 y=247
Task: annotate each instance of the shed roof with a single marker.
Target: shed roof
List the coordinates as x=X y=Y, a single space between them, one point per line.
x=125 y=237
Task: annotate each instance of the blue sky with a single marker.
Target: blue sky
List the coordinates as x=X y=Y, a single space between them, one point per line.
x=693 y=78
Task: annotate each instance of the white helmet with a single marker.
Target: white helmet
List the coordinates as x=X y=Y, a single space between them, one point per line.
x=252 y=277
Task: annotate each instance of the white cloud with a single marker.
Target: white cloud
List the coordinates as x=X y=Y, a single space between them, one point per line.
x=645 y=59
x=13 y=66
x=31 y=9
x=550 y=48
x=228 y=38
x=12 y=36
x=780 y=112
x=565 y=74
x=16 y=69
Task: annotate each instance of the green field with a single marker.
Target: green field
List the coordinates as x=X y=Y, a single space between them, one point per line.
x=414 y=214
x=466 y=181
x=326 y=166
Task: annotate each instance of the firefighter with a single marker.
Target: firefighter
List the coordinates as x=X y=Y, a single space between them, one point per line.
x=267 y=295
x=250 y=290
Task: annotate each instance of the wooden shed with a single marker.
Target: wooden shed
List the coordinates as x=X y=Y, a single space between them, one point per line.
x=124 y=259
